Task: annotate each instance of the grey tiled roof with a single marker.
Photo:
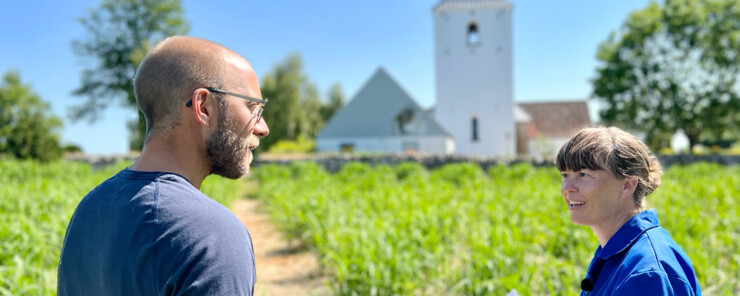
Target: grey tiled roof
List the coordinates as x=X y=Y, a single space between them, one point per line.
x=375 y=112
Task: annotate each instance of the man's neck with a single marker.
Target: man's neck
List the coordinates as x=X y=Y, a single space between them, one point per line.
x=161 y=154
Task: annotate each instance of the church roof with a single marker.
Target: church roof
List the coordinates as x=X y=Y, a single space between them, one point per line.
x=557 y=119
x=447 y=5
x=381 y=109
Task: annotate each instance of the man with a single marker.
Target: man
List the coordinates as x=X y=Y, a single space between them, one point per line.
x=149 y=230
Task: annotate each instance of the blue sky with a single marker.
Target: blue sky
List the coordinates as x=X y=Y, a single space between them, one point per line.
x=555 y=45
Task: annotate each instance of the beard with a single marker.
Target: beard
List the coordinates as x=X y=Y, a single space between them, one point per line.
x=227 y=153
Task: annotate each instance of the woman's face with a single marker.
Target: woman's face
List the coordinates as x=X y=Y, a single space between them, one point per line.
x=592 y=197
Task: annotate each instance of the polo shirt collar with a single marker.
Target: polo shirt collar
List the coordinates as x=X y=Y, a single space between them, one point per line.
x=628 y=233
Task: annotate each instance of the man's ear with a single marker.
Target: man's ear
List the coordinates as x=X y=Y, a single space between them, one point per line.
x=629 y=186
x=202 y=107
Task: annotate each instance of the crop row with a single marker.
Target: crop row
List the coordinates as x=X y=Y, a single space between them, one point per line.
x=457 y=230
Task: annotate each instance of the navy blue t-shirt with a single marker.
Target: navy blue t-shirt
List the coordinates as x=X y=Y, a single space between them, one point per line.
x=153 y=233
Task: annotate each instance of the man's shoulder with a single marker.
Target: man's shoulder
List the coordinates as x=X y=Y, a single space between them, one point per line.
x=196 y=234
x=169 y=197
x=184 y=214
x=198 y=239
x=182 y=201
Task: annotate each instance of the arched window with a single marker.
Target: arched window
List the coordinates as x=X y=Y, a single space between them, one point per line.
x=473 y=37
x=474 y=129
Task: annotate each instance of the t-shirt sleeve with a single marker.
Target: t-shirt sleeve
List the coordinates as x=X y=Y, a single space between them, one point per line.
x=652 y=283
x=217 y=271
x=208 y=253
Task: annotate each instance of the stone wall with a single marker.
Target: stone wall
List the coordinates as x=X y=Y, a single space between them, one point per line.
x=100 y=161
x=684 y=159
x=334 y=163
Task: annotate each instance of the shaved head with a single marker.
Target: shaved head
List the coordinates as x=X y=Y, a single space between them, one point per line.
x=171 y=71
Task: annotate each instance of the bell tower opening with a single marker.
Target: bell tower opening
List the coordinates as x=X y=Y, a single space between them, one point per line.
x=473 y=37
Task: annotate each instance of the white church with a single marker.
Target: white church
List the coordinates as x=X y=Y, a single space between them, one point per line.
x=474 y=112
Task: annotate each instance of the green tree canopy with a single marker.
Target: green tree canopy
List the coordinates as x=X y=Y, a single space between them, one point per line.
x=674 y=67
x=336 y=102
x=26 y=130
x=119 y=34
x=295 y=109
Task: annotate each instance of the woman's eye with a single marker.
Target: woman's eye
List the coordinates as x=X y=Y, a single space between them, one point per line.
x=582 y=174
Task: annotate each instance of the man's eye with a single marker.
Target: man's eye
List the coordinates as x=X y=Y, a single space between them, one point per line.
x=582 y=174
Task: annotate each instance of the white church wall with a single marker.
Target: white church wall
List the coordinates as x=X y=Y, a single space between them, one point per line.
x=422 y=144
x=475 y=80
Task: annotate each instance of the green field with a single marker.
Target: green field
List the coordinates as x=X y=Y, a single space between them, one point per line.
x=36 y=203
x=459 y=231
x=402 y=230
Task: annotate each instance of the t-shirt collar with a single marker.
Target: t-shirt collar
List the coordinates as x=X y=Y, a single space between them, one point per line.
x=628 y=233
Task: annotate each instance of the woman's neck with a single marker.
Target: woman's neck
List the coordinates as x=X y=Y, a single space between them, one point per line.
x=608 y=227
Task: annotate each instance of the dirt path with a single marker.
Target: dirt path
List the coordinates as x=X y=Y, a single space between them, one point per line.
x=281 y=269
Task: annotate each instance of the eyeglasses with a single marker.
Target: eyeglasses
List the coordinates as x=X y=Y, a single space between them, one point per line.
x=251 y=99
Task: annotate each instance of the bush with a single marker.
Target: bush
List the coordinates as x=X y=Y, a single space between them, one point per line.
x=299 y=145
x=26 y=130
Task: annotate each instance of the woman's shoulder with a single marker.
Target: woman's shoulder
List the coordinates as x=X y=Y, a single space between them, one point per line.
x=653 y=249
x=656 y=254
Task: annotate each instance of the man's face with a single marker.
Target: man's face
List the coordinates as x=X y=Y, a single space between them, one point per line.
x=230 y=147
x=238 y=131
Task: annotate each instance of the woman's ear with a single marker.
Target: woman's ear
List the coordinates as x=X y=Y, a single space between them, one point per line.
x=629 y=185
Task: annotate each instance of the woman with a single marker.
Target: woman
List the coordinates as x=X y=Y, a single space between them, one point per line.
x=606 y=175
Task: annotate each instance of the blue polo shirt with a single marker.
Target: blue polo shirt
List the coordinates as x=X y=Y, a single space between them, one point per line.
x=642 y=259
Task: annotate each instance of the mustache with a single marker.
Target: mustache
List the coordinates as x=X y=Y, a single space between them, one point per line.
x=252 y=141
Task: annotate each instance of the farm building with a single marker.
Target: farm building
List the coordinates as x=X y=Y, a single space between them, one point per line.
x=383 y=117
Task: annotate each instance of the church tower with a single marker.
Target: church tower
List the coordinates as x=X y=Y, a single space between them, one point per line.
x=473 y=64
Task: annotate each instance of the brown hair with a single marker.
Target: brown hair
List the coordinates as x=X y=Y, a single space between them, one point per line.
x=168 y=75
x=613 y=150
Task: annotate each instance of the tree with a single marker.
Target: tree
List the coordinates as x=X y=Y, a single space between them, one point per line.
x=674 y=67
x=294 y=109
x=336 y=102
x=26 y=130
x=283 y=87
x=120 y=33
x=310 y=120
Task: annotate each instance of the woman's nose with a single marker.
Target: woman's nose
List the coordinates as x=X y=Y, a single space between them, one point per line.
x=567 y=186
